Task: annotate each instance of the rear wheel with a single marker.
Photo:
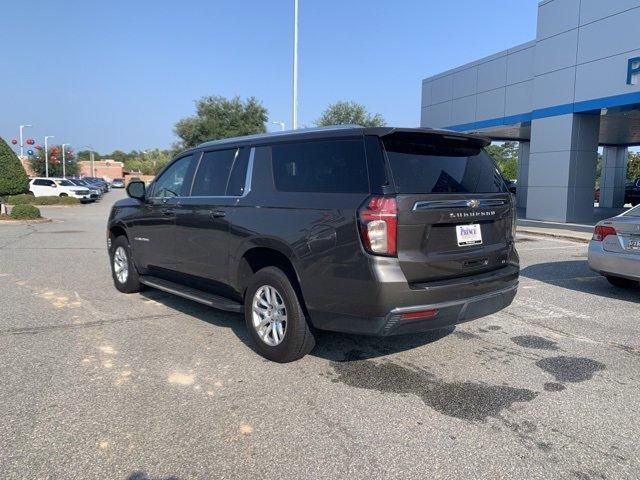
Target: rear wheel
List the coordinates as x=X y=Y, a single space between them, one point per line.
x=123 y=271
x=64 y=195
x=275 y=318
x=622 y=282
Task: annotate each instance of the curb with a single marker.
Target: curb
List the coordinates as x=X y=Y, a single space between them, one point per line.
x=562 y=236
x=25 y=222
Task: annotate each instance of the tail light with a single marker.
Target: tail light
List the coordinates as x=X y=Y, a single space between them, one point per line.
x=603 y=231
x=379 y=225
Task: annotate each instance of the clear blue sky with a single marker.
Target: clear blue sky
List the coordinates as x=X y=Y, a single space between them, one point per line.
x=119 y=74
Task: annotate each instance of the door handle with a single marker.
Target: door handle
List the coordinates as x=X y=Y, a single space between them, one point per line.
x=218 y=213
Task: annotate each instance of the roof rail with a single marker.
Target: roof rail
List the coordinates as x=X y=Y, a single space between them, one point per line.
x=259 y=136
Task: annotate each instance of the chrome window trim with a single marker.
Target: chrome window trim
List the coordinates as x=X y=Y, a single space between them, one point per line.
x=247 y=181
x=436 y=204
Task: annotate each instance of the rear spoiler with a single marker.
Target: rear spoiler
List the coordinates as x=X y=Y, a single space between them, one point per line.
x=386 y=131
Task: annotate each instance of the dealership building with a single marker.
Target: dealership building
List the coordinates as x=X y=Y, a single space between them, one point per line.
x=573 y=89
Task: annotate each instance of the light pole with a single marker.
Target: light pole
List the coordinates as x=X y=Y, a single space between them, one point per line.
x=91 y=159
x=294 y=122
x=21 y=149
x=281 y=125
x=46 y=155
x=64 y=164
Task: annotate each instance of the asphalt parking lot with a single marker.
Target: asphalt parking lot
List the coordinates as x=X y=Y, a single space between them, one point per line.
x=97 y=384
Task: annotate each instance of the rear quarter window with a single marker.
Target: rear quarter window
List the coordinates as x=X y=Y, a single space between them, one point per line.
x=330 y=166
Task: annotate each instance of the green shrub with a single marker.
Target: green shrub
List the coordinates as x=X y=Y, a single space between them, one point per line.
x=68 y=201
x=48 y=200
x=22 y=199
x=25 y=212
x=13 y=179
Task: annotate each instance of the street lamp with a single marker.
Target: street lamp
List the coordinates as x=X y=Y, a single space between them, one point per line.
x=281 y=125
x=64 y=166
x=46 y=155
x=21 y=149
x=294 y=102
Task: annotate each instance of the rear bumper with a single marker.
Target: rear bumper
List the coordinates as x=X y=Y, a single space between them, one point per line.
x=455 y=301
x=626 y=265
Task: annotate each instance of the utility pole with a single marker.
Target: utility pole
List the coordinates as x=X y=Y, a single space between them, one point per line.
x=294 y=121
x=46 y=155
x=64 y=161
x=21 y=147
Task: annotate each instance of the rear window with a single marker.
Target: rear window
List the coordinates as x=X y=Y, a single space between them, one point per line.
x=423 y=163
x=333 y=166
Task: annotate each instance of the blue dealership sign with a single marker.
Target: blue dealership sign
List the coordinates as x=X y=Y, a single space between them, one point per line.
x=633 y=70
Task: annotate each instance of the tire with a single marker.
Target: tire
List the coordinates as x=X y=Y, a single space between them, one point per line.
x=295 y=334
x=130 y=281
x=622 y=282
x=64 y=195
x=31 y=193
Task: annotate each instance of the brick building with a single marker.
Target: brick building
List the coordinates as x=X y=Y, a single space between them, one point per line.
x=108 y=169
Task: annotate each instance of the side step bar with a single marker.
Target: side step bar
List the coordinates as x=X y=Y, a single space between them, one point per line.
x=196 y=295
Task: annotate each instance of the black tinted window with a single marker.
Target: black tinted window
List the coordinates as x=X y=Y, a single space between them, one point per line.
x=334 y=166
x=422 y=163
x=213 y=173
x=238 y=177
x=172 y=181
x=42 y=182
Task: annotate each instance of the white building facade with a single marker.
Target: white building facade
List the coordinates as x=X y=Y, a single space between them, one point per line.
x=574 y=88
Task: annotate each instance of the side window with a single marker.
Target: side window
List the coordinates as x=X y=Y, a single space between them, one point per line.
x=333 y=166
x=219 y=173
x=172 y=181
x=237 y=180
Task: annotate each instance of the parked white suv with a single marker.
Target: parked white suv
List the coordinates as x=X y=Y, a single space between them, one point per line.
x=58 y=187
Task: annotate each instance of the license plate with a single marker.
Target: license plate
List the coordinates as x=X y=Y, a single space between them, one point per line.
x=469 y=235
x=634 y=245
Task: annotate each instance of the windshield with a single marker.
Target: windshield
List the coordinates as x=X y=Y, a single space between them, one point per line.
x=65 y=183
x=634 y=212
x=423 y=163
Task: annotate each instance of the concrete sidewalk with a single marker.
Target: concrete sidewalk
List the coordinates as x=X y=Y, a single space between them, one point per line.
x=567 y=231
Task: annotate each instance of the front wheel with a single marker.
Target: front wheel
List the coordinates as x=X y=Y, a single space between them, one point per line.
x=123 y=271
x=275 y=318
x=622 y=282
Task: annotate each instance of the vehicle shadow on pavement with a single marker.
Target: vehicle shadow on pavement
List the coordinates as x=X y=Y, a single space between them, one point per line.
x=576 y=275
x=330 y=345
x=143 y=476
x=343 y=347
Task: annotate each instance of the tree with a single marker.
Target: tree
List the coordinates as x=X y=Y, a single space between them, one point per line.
x=55 y=162
x=218 y=117
x=633 y=167
x=13 y=178
x=506 y=156
x=342 y=113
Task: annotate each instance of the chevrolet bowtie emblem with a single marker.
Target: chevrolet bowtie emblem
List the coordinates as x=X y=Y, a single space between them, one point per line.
x=473 y=203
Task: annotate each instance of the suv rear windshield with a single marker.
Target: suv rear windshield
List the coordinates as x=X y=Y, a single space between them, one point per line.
x=426 y=163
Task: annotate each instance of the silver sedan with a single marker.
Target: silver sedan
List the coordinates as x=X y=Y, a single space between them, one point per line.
x=614 y=250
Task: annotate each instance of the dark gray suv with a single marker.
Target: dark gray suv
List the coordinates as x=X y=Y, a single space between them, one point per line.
x=378 y=231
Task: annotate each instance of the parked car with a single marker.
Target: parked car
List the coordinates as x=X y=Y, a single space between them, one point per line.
x=95 y=191
x=58 y=187
x=614 y=250
x=117 y=183
x=512 y=186
x=632 y=192
x=377 y=231
x=95 y=181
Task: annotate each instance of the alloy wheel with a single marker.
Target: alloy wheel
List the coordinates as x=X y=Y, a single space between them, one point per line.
x=269 y=315
x=121 y=264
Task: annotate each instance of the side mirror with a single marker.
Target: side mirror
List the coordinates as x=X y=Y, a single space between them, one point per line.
x=137 y=190
x=54 y=185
